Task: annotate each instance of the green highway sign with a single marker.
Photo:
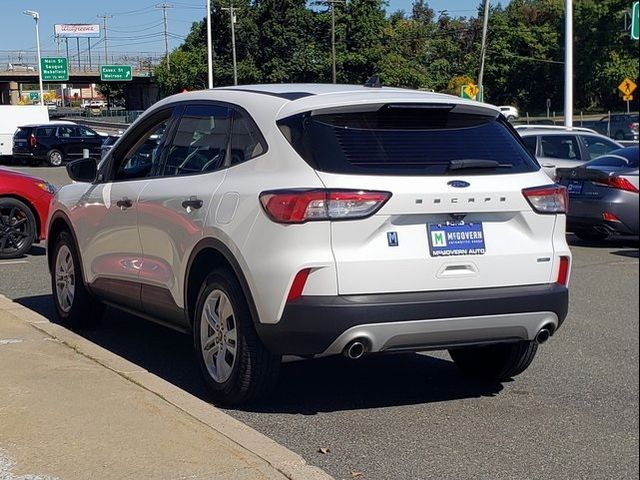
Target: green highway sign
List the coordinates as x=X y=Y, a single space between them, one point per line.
x=635 y=20
x=54 y=69
x=115 y=73
x=34 y=96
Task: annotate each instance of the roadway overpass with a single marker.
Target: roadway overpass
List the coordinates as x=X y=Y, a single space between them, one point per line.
x=140 y=92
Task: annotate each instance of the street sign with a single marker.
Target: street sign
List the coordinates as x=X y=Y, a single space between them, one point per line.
x=34 y=96
x=472 y=92
x=115 y=73
x=635 y=20
x=54 y=69
x=628 y=98
x=627 y=87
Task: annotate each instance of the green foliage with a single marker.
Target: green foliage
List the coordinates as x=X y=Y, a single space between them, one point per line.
x=290 y=41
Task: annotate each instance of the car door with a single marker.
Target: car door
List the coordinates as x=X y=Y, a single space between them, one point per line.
x=107 y=220
x=68 y=141
x=91 y=141
x=173 y=207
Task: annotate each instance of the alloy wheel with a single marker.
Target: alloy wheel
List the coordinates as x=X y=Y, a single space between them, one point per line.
x=65 y=279
x=14 y=229
x=218 y=336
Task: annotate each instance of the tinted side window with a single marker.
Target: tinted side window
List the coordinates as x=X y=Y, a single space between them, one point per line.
x=560 y=146
x=246 y=141
x=68 y=132
x=531 y=144
x=143 y=160
x=200 y=142
x=87 y=133
x=44 y=131
x=598 y=146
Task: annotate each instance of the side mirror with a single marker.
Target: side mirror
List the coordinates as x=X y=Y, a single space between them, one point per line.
x=83 y=170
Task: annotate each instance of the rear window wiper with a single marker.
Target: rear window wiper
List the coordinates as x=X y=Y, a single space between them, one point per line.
x=471 y=163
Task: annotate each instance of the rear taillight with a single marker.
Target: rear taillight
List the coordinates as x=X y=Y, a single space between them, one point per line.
x=619 y=183
x=563 y=271
x=32 y=141
x=633 y=126
x=299 y=206
x=547 y=199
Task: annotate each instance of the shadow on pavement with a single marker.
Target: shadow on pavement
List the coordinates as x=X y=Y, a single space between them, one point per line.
x=304 y=387
x=37 y=251
x=611 y=242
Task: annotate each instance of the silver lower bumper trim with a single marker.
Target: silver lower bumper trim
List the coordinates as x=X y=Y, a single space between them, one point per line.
x=416 y=335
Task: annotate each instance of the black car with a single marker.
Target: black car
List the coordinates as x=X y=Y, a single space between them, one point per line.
x=55 y=142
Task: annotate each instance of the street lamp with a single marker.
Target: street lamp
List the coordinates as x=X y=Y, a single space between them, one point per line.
x=36 y=16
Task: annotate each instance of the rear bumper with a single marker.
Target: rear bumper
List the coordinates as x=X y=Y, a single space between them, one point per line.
x=588 y=214
x=322 y=325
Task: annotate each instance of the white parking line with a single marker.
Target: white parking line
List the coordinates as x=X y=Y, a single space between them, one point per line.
x=12 y=262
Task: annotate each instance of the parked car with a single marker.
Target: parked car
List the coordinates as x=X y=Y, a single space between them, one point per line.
x=24 y=206
x=12 y=116
x=563 y=148
x=317 y=220
x=621 y=126
x=55 y=142
x=603 y=195
x=51 y=105
x=510 y=112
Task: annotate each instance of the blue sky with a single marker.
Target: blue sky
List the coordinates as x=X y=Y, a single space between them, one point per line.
x=136 y=25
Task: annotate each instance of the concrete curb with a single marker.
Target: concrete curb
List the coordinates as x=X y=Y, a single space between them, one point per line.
x=288 y=463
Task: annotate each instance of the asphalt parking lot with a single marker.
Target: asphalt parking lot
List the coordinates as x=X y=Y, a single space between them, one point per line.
x=573 y=414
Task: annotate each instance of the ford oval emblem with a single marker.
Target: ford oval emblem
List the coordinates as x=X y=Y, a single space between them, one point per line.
x=458 y=184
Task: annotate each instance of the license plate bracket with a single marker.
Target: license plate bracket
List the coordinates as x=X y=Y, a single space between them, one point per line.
x=456 y=239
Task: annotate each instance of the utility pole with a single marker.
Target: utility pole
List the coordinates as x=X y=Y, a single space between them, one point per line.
x=232 y=13
x=483 y=48
x=209 y=46
x=568 y=64
x=164 y=7
x=104 y=27
x=332 y=7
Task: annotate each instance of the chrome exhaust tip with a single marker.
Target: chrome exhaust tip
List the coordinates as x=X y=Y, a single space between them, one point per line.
x=543 y=335
x=355 y=349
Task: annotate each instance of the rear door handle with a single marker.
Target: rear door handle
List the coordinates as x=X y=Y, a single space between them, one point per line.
x=193 y=202
x=124 y=204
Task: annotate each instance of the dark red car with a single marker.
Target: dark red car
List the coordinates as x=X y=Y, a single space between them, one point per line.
x=24 y=206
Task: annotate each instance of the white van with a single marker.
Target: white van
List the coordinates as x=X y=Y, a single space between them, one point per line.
x=13 y=116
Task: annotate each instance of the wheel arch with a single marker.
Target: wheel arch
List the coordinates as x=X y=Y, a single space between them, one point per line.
x=31 y=207
x=58 y=223
x=208 y=254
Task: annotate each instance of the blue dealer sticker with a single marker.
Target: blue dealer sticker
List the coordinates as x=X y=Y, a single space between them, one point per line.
x=452 y=239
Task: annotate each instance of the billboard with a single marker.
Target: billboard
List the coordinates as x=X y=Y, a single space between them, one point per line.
x=74 y=30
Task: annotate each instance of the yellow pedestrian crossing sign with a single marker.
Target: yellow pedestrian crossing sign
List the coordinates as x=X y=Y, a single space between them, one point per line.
x=627 y=87
x=472 y=92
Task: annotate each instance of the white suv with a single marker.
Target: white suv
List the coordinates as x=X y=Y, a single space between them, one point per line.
x=315 y=220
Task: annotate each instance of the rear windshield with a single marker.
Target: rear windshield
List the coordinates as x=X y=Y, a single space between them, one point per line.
x=405 y=140
x=624 y=158
x=22 y=132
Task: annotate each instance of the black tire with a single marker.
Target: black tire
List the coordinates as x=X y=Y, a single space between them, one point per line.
x=82 y=310
x=619 y=135
x=591 y=235
x=254 y=369
x=18 y=228
x=495 y=362
x=54 y=157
